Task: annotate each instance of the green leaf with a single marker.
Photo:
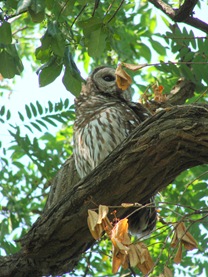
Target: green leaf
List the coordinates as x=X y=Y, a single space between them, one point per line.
x=186 y=71
x=2 y=111
x=90 y=25
x=36 y=126
x=97 y=43
x=5 y=33
x=10 y=63
x=50 y=106
x=36 y=17
x=158 y=47
x=7 y=65
x=49 y=72
x=21 y=116
x=66 y=103
x=71 y=83
x=47 y=119
x=28 y=112
x=42 y=123
x=38 y=6
x=145 y=51
x=33 y=108
x=40 y=109
x=58 y=45
x=72 y=78
x=57 y=41
x=152 y=24
x=29 y=128
x=8 y=116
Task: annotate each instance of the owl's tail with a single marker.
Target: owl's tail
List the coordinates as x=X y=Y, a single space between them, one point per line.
x=142 y=221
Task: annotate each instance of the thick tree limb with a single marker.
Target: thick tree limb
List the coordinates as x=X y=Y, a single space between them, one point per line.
x=183 y=14
x=156 y=152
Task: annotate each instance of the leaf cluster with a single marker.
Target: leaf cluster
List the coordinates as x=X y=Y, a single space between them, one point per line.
x=33 y=161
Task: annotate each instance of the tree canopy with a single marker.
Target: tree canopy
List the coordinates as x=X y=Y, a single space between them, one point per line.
x=44 y=205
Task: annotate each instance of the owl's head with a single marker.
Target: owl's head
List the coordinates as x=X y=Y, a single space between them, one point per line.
x=103 y=81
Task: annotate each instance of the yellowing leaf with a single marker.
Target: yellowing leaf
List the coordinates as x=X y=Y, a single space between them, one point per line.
x=121 y=241
x=120 y=232
x=123 y=79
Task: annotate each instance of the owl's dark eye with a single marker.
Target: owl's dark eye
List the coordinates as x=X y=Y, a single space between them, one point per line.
x=109 y=78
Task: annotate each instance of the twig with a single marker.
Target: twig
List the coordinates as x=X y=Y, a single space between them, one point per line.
x=75 y=19
x=19 y=30
x=185 y=10
x=116 y=12
x=181 y=14
x=191 y=182
x=184 y=37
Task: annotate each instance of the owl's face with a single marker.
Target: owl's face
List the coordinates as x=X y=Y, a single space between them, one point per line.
x=102 y=81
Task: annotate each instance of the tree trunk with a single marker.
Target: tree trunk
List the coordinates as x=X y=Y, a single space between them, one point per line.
x=163 y=146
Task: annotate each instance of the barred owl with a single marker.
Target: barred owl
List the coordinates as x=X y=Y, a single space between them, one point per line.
x=105 y=116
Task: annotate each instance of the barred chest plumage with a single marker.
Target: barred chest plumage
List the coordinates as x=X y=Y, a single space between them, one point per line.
x=101 y=125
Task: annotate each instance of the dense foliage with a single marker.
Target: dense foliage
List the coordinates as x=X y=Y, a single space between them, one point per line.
x=51 y=35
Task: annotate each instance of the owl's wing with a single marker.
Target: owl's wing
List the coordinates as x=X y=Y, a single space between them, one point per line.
x=141 y=112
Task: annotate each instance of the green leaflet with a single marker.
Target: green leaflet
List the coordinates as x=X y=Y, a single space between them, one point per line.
x=49 y=72
x=10 y=63
x=5 y=33
x=71 y=79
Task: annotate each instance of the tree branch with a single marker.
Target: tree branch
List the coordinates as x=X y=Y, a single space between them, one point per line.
x=183 y=14
x=185 y=10
x=163 y=146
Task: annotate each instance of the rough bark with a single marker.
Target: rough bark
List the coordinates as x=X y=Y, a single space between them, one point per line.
x=166 y=144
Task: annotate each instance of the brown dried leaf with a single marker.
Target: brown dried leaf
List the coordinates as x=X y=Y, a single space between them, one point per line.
x=92 y=219
x=178 y=255
x=127 y=205
x=102 y=213
x=181 y=234
x=133 y=256
x=95 y=229
x=167 y=272
x=107 y=226
x=175 y=240
x=119 y=258
x=134 y=67
x=158 y=96
x=146 y=263
x=120 y=233
x=121 y=241
x=123 y=79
